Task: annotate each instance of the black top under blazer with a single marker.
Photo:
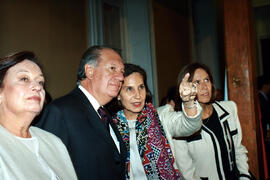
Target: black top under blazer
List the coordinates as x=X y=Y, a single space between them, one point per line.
x=92 y=150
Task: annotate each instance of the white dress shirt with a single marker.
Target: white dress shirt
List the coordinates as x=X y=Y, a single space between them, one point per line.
x=96 y=105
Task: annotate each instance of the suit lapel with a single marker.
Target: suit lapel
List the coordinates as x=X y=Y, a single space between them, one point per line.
x=93 y=118
x=222 y=113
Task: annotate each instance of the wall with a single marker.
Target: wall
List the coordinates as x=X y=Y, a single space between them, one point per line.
x=138 y=40
x=172 y=43
x=262 y=30
x=54 y=30
x=206 y=39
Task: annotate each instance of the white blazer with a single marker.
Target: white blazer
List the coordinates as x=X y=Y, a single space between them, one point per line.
x=199 y=156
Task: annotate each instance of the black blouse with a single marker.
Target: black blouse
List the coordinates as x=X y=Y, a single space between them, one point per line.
x=213 y=123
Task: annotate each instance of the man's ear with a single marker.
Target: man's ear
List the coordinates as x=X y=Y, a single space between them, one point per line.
x=89 y=71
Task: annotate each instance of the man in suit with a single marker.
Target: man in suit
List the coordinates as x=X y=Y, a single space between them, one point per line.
x=264 y=90
x=96 y=151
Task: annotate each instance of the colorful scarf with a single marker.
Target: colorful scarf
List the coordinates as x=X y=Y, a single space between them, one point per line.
x=154 y=149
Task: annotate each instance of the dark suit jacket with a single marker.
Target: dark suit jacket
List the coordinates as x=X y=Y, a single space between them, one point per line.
x=265 y=113
x=92 y=150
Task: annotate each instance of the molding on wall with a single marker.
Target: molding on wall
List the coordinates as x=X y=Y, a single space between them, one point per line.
x=94 y=16
x=259 y=3
x=139 y=35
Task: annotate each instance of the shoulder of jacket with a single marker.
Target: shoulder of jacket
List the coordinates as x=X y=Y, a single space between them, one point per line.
x=74 y=98
x=229 y=106
x=225 y=104
x=44 y=135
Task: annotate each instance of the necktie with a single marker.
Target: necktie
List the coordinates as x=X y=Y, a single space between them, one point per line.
x=103 y=115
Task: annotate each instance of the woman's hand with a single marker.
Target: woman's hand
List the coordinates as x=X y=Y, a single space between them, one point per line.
x=187 y=90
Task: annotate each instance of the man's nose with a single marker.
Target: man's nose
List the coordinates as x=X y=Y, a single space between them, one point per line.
x=120 y=76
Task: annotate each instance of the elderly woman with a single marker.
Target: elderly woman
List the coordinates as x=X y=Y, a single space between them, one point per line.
x=27 y=152
x=149 y=154
x=216 y=151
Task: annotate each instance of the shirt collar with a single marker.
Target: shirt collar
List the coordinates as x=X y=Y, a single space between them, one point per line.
x=91 y=98
x=262 y=93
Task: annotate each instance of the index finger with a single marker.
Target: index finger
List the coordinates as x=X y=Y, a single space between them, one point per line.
x=185 y=79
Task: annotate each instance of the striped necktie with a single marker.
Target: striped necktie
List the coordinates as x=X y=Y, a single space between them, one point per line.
x=104 y=117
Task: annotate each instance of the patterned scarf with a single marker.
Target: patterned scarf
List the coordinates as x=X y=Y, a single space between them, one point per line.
x=154 y=149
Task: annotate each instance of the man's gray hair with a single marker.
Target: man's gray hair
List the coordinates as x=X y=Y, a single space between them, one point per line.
x=90 y=56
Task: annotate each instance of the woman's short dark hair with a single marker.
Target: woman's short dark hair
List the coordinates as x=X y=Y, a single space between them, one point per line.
x=191 y=68
x=13 y=59
x=132 y=68
x=115 y=105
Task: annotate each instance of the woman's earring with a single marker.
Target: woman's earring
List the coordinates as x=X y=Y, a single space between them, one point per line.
x=118 y=98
